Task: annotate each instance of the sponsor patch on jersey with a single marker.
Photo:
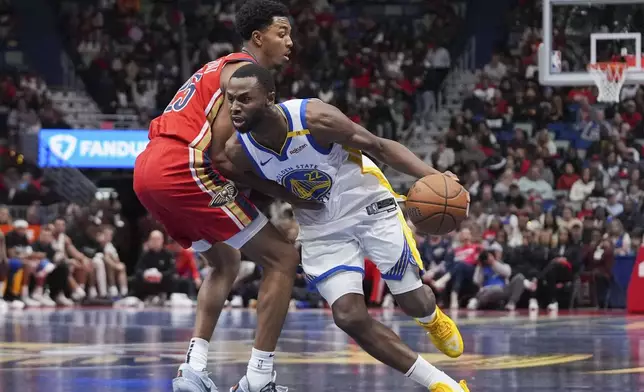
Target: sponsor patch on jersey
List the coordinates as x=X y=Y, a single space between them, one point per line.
x=298 y=149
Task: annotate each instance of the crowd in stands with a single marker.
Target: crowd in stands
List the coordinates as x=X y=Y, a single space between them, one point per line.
x=555 y=182
x=370 y=68
x=25 y=106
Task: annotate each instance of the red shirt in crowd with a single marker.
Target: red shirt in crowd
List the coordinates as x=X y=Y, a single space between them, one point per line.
x=489 y=235
x=566 y=180
x=467 y=253
x=186 y=264
x=632 y=118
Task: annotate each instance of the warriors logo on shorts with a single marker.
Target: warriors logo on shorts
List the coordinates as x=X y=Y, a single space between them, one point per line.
x=224 y=195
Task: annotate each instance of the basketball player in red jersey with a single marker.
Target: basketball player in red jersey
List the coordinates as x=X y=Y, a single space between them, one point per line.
x=190 y=194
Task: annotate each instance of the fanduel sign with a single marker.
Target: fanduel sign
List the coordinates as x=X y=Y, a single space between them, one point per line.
x=90 y=149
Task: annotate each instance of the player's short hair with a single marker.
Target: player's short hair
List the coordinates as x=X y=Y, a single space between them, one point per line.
x=263 y=76
x=258 y=15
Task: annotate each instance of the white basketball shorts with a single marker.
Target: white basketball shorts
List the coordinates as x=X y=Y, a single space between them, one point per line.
x=334 y=263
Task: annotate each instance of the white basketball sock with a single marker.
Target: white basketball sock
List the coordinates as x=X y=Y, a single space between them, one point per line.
x=428 y=319
x=427 y=374
x=197 y=356
x=260 y=369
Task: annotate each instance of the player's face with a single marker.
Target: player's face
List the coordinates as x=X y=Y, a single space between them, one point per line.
x=277 y=42
x=248 y=103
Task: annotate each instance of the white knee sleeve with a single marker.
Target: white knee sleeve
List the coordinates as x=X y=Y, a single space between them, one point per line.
x=339 y=284
x=410 y=281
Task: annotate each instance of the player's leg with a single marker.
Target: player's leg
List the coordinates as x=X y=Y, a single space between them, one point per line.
x=389 y=243
x=343 y=292
x=279 y=260
x=215 y=288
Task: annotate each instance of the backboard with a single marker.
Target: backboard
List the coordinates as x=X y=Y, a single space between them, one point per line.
x=594 y=32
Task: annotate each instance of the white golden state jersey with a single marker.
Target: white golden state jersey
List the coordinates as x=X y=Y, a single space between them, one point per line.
x=350 y=185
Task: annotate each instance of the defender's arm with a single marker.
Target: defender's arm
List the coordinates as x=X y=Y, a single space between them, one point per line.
x=235 y=165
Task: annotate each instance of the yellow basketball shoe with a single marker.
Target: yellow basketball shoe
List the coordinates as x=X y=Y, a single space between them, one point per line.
x=445 y=335
x=442 y=387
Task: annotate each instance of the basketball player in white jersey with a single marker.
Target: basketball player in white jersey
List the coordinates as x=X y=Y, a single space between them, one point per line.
x=314 y=151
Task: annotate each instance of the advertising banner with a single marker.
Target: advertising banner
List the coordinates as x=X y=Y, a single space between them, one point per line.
x=90 y=149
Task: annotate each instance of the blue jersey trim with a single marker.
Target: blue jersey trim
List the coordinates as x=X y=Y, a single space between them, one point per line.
x=321 y=149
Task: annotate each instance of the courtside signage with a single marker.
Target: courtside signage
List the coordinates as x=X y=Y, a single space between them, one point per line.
x=90 y=149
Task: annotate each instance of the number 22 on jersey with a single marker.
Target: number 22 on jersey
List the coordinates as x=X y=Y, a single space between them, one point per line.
x=185 y=93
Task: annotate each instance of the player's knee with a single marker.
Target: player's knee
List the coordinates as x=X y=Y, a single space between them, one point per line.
x=350 y=314
x=224 y=262
x=417 y=303
x=227 y=268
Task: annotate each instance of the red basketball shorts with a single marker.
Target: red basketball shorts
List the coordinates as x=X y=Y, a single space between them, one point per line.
x=197 y=205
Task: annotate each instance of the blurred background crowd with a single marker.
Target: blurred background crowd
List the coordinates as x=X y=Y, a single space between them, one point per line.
x=556 y=184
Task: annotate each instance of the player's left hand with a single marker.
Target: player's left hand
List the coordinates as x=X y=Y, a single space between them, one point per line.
x=451 y=175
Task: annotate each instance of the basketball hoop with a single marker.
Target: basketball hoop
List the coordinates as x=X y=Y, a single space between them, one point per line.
x=609 y=78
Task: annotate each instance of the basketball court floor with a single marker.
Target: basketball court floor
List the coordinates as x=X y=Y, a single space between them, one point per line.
x=138 y=350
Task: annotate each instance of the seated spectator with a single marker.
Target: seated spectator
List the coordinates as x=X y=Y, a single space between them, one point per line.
x=114 y=267
x=444 y=157
x=31 y=264
x=461 y=271
x=565 y=261
x=10 y=279
x=437 y=255
x=568 y=178
x=534 y=184
x=614 y=207
x=567 y=219
x=619 y=238
x=93 y=251
x=502 y=186
x=80 y=266
x=492 y=275
x=529 y=259
x=598 y=258
x=495 y=69
x=57 y=280
x=156 y=273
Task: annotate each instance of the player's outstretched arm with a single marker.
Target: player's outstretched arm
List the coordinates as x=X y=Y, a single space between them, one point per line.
x=328 y=124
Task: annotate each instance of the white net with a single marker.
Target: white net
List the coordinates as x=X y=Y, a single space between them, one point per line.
x=609 y=78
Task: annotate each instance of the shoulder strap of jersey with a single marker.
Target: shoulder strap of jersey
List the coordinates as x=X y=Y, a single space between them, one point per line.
x=295 y=112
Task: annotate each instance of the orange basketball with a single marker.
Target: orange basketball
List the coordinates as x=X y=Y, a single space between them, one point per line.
x=437 y=204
